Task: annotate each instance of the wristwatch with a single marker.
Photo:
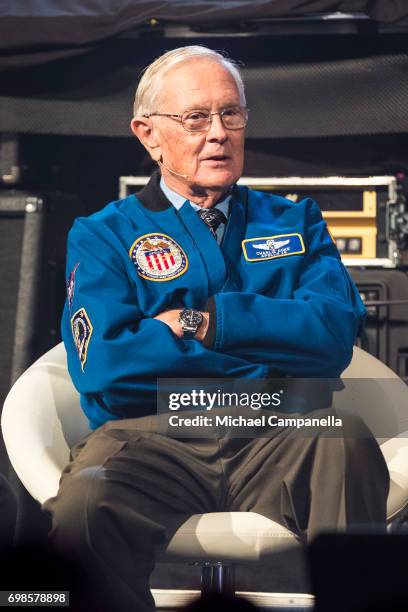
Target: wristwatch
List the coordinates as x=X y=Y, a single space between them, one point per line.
x=190 y=321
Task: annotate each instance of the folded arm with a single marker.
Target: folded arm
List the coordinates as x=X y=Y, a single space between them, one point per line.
x=115 y=353
x=310 y=335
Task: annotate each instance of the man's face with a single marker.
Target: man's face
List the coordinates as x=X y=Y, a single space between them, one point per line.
x=212 y=159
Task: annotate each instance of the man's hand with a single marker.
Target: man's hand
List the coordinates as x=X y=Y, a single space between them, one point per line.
x=171 y=318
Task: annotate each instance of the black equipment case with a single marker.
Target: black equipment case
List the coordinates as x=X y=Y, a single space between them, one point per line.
x=33 y=230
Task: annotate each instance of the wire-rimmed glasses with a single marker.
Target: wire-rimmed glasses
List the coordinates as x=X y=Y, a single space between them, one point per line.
x=233 y=118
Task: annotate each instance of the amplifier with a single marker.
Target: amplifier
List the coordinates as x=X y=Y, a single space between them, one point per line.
x=367 y=216
x=33 y=229
x=385 y=335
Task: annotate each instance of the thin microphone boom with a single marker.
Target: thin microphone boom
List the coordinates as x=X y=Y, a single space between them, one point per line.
x=172 y=171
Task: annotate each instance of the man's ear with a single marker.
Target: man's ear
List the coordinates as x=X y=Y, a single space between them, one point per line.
x=142 y=128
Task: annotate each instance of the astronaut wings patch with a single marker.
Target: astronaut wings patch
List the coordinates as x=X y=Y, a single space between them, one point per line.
x=81 y=332
x=271 y=247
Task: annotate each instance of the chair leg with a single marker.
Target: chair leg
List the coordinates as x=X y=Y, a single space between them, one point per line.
x=217 y=577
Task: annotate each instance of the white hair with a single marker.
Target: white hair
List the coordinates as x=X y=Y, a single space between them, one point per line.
x=151 y=81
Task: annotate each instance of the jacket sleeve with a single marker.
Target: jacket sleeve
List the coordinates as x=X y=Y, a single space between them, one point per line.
x=115 y=354
x=310 y=335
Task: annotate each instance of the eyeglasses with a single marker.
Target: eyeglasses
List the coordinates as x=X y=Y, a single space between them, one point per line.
x=233 y=118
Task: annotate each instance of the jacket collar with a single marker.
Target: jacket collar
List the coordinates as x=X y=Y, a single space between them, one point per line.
x=153 y=198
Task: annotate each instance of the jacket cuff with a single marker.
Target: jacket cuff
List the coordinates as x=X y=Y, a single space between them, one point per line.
x=209 y=338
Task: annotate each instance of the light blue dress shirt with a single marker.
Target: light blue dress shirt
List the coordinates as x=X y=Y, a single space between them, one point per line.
x=178 y=200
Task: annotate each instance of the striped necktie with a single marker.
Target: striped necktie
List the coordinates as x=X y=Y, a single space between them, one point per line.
x=212 y=217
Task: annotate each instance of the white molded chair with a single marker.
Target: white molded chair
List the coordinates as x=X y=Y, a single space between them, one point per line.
x=42 y=419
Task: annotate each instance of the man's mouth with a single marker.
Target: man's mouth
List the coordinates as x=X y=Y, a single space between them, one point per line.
x=216 y=158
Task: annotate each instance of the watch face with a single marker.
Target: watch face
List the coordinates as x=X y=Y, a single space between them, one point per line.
x=191 y=319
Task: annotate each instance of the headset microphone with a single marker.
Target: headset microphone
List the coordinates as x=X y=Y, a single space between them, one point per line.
x=172 y=171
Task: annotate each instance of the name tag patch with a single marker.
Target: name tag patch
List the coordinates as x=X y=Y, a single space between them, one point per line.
x=158 y=257
x=271 y=247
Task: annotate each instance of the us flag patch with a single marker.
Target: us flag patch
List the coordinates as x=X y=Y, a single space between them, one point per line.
x=158 y=257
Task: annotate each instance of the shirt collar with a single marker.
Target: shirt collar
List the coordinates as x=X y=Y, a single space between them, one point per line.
x=178 y=200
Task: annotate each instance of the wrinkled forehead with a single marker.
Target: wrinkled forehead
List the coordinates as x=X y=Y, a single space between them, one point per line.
x=198 y=83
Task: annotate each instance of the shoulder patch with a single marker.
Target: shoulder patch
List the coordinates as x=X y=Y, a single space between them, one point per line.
x=158 y=257
x=271 y=247
x=82 y=329
x=71 y=287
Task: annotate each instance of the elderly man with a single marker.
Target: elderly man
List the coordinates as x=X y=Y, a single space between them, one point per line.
x=196 y=277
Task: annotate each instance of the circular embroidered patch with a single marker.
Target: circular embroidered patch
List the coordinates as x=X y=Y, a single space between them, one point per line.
x=158 y=257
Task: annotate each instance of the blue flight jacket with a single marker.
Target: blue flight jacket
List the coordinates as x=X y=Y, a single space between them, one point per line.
x=279 y=297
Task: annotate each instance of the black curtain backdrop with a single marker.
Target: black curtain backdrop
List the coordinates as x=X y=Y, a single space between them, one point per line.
x=366 y=95
x=38 y=31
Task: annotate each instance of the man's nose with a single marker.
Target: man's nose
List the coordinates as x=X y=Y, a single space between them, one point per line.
x=217 y=130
